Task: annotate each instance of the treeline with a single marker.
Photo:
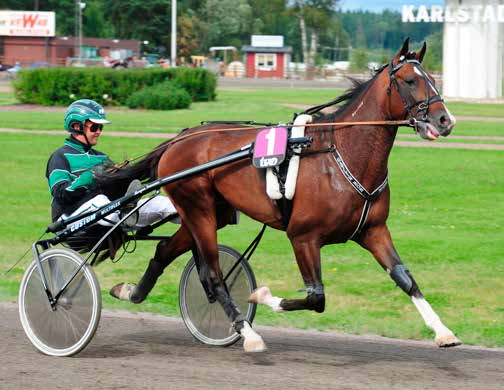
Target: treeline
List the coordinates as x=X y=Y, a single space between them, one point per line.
x=316 y=29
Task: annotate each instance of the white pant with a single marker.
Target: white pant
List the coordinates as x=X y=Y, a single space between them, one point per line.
x=156 y=209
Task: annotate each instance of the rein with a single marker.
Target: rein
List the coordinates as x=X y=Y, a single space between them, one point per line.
x=411 y=123
x=322 y=124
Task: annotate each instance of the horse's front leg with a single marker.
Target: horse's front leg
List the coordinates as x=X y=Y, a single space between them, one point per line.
x=308 y=259
x=379 y=242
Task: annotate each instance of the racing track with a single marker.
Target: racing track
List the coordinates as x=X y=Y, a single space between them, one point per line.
x=152 y=352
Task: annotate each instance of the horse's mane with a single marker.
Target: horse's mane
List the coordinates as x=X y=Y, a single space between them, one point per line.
x=349 y=97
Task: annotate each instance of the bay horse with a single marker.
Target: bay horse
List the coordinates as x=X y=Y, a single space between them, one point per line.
x=328 y=207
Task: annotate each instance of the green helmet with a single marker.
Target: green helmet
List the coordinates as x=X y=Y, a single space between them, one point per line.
x=82 y=110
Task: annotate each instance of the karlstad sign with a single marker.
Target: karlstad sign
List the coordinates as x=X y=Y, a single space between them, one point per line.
x=452 y=14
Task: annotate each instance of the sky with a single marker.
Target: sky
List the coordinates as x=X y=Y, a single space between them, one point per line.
x=380 y=5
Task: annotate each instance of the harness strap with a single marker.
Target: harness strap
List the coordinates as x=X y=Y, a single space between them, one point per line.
x=368 y=196
x=362 y=220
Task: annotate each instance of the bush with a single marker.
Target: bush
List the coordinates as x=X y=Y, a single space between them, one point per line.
x=165 y=96
x=359 y=60
x=61 y=86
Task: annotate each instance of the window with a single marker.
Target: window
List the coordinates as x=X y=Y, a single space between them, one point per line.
x=265 y=61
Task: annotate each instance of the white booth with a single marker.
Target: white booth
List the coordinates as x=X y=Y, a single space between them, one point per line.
x=473 y=48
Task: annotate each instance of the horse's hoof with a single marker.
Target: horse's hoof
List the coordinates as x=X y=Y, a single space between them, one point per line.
x=447 y=341
x=255 y=345
x=122 y=291
x=260 y=295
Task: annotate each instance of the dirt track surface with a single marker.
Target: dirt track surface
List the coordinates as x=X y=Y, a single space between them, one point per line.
x=143 y=351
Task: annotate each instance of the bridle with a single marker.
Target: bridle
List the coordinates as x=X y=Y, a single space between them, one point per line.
x=422 y=106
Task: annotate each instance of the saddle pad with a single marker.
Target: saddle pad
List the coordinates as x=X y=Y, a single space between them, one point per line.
x=272 y=185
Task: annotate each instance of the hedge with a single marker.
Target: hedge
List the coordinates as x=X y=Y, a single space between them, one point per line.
x=165 y=96
x=61 y=86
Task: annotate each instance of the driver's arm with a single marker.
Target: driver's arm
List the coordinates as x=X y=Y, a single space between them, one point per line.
x=67 y=188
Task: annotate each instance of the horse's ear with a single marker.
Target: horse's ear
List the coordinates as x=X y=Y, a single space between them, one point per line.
x=420 y=55
x=402 y=53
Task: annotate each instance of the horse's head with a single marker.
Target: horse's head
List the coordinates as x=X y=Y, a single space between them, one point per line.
x=412 y=94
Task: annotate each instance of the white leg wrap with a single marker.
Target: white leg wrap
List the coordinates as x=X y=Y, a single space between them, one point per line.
x=444 y=336
x=252 y=342
x=263 y=296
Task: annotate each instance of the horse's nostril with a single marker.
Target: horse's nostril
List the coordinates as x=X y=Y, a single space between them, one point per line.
x=443 y=120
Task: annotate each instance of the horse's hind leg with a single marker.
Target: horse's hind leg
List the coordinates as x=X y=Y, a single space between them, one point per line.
x=379 y=242
x=166 y=251
x=308 y=258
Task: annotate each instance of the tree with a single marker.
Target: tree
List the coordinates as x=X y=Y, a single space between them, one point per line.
x=335 y=42
x=140 y=19
x=226 y=22
x=269 y=17
x=433 y=60
x=313 y=16
x=94 y=23
x=188 y=33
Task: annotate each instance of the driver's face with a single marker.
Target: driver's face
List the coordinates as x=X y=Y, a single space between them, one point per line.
x=93 y=131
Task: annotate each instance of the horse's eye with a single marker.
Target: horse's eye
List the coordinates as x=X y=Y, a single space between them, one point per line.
x=410 y=81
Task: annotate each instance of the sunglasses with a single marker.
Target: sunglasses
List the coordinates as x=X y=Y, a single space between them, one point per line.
x=95 y=127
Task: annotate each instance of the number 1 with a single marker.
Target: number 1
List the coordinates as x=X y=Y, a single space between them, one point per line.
x=271 y=141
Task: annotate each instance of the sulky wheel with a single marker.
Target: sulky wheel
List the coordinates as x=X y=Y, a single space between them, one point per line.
x=206 y=321
x=70 y=327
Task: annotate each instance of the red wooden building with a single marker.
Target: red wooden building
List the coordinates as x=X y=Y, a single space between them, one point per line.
x=267 y=57
x=56 y=50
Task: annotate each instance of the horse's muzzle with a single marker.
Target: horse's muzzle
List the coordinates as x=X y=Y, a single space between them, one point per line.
x=444 y=122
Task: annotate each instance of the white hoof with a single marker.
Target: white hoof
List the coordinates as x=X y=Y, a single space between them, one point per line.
x=122 y=291
x=260 y=295
x=252 y=342
x=447 y=340
x=254 y=345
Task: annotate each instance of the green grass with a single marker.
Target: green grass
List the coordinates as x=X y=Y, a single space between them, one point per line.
x=446 y=219
x=451 y=140
x=258 y=105
x=476 y=109
x=7 y=98
x=230 y=105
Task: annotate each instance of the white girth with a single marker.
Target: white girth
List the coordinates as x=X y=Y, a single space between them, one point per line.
x=272 y=185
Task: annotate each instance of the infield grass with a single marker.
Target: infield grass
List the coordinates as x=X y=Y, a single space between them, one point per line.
x=446 y=220
x=258 y=105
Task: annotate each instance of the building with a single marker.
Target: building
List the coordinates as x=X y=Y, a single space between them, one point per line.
x=473 y=48
x=28 y=37
x=56 y=50
x=266 y=57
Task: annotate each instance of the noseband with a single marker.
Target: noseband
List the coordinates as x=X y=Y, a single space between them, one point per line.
x=422 y=106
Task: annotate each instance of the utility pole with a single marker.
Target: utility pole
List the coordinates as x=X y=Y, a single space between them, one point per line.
x=76 y=28
x=81 y=7
x=174 y=33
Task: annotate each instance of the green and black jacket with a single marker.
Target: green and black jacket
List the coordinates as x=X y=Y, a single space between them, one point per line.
x=70 y=175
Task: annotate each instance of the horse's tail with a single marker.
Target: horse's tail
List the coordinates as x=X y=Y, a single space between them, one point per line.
x=115 y=181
